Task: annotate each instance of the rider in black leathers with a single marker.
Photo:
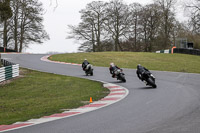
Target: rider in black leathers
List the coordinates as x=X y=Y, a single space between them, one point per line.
x=84 y=64
x=140 y=71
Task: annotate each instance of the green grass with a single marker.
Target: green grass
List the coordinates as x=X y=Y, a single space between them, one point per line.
x=39 y=94
x=152 y=61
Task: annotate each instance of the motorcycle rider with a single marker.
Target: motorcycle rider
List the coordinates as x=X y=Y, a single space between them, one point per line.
x=84 y=64
x=140 y=71
x=112 y=69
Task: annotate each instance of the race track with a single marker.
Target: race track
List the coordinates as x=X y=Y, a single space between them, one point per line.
x=171 y=108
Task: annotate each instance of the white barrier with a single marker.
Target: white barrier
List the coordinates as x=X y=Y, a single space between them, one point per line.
x=9 y=72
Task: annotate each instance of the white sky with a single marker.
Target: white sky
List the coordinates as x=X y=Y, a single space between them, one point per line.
x=56 y=21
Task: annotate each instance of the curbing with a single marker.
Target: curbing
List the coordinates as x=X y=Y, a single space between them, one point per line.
x=117 y=93
x=45 y=58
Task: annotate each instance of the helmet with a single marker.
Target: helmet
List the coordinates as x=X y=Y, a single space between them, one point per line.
x=138 y=66
x=112 y=64
x=85 y=59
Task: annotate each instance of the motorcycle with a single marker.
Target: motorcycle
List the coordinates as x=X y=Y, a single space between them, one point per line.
x=149 y=79
x=120 y=75
x=89 y=70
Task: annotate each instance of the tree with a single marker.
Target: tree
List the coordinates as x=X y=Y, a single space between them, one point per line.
x=25 y=26
x=116 y=26
x=31 y=28
x=91 y=27
x=194 y=12
x=5 y=14
x=83 y=33
x=97 y=11
x=150 y=23
x=15 y=22
x=117 y=21
x=135 y=28
x=5 y=10
x=166 y=20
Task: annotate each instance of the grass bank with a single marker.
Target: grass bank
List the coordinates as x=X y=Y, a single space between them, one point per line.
x=38 y=94
x=153 y=61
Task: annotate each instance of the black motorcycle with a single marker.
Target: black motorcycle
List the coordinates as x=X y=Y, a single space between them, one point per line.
x=120 y=75
x=89 y=70
x=149 y=78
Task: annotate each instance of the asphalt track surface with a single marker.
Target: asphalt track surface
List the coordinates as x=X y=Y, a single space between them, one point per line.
x=173 y=107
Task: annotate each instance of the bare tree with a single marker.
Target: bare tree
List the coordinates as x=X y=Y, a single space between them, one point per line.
x=98 y=13
x=31 y=28
x=150 y=23
x=5 y=10
x=91 y=27
x=84 y=32
x=15 y=22
x=117 y=21
x=117 y=26
x=194 y=13
x=5 y=14
x=25 y=26
x=167 y=20
x=135 y=28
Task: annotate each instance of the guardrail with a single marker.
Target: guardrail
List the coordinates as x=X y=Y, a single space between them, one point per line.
x=187 y=51
x=164 y=51
x=2 y=49
x=181 y=50
x=9 y=71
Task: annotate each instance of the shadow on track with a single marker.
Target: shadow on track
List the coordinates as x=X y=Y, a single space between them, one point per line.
x=146 y=88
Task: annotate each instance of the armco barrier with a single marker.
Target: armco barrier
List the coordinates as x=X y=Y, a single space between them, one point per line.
x=6 y=63
x=2 y=49
x=10 y=70
x=187 y=51
x=164 y=51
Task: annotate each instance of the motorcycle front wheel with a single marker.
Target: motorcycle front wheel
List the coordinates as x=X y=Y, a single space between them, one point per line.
x=122 y=77
x=151 y=82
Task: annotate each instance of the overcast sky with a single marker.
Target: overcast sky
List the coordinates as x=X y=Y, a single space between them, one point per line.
x=56 y=21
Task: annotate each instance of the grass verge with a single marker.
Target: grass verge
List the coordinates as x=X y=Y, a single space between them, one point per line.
x=38 y=94
x=152 y=61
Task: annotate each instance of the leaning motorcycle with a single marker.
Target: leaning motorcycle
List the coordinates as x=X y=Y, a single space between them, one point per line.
x=89 y=70
x=120 y=75
x=150 y=79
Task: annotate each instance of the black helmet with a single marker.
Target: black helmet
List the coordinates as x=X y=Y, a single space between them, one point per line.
x=138 y=66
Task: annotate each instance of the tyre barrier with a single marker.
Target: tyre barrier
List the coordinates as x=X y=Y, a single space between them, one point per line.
x=9 y=71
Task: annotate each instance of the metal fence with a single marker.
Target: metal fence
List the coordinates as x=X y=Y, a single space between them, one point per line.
x=2 y=49
x=6 y=63
x=187 y=51
x=9 y=71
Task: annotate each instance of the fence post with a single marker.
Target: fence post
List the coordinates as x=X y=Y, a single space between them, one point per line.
x=173 y=49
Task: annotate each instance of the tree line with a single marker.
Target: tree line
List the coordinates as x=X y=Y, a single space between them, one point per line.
x=21 y=24
x=117 y=26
